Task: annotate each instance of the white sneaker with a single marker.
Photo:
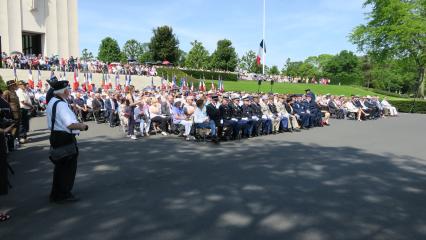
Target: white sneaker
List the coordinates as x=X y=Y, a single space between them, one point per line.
x=164 y=133
x=134 y=137
x=129 y=136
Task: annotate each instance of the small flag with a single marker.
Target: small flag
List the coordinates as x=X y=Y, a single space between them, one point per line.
x=117 y=80
x=39 y=82
x=14 y=74
x=75 y=84
x=221 y=86
x=30 y=79
x=262 y=50
x=192 y=86
x=213 y=88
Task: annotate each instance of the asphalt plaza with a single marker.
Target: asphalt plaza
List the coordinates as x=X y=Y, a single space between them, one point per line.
x=352 y=180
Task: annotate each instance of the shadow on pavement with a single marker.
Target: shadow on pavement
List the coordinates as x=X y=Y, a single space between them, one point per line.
x=164 y=188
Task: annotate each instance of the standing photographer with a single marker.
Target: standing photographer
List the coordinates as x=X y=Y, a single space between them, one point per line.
x=64 y=126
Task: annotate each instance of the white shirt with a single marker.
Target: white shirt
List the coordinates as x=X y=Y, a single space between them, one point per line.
x=23 y=97
x=64 y=116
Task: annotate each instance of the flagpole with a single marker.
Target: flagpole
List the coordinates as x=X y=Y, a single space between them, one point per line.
x=264 y=42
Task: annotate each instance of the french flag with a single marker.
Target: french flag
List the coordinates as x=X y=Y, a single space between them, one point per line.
x=75 y=84
x=221 y=86
x=213 y=87
x=30 y=79
x=39 y=82
x=262 y=50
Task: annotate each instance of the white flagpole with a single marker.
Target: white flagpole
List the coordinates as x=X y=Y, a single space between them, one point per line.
x=264 y=42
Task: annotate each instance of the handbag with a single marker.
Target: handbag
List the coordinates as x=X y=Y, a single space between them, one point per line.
x=59 y=154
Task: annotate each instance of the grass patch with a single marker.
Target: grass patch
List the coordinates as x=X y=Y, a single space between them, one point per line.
x=288 y=88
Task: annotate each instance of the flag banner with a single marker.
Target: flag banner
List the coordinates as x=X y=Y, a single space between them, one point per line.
x=39 y=82
x=192 y=86
x=117 y=80
x=75 y=84
x=262 y=51
x=30 y=79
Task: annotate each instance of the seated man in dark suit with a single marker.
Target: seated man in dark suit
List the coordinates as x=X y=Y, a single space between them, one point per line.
x=97 y=106
x=212 y=110
x=111 y=106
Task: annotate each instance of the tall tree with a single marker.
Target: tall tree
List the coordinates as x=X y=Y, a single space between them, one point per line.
x=86 y=55
x=274 y=70
x=164 y=45
x=109 y=51
x=224 y=57
x=198 y=56
x=248 y=63
x=344 y=68
x=146 y=54
x=395 y=29
x=132 y=49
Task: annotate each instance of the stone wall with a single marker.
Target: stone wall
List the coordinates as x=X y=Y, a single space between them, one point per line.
x=138 y=81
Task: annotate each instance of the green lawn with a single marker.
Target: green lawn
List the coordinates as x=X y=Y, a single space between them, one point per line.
x=288 y=88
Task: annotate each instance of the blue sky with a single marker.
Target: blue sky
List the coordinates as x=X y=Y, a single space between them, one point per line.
x=295 y=29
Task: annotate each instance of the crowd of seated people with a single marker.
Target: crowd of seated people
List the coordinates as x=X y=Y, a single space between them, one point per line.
x=225 y=116
x=39 y=62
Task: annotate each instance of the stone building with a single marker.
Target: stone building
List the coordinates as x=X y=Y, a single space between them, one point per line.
x=47 y=27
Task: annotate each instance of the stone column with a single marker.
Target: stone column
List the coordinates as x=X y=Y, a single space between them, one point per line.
x=51 y=35
x=4 y=26
x=74 y=49
x=15 y=25
x=62 y=26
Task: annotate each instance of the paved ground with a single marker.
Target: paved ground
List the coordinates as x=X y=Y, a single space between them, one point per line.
x=349 y=181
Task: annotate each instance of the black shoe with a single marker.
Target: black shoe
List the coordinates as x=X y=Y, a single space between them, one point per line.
x=70 y=199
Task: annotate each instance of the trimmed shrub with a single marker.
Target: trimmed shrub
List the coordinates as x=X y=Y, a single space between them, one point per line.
x=2 y=84
x=168 y=73
x=386 y=93
x=406 y=105
x=198 y=74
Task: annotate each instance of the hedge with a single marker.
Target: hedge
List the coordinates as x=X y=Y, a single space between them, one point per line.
x=387 y=93
x=170 y=72
x=2 y=84
x=406 y=105
x=198 y=74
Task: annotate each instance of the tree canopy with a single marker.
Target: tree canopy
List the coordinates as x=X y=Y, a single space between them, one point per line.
x=164 y=45
x=197 y=57
x=396 y=29
x=133 y=49
x=109 y=51
x=248 y=63
x=224 y=57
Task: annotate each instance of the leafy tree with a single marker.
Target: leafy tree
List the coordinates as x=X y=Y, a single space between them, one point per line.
x=164 y=45
x=182 y=58
x=132 y=49
x=307 y=71
x=3 y=85
x=344 y=68
x=109 y=51
x=146 y=55
x=225 y=57
x=292 y=69
x=198 y=56
x=274 y=70
x=249 y=64
x=395 y=29
x=86 y=55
